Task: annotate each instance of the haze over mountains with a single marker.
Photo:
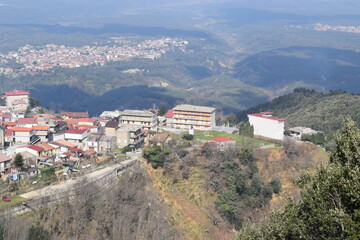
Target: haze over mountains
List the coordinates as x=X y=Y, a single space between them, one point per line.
x=240 y=52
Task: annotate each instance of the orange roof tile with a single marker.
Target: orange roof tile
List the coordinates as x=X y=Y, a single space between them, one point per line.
x=41 y=128
x=21 y=129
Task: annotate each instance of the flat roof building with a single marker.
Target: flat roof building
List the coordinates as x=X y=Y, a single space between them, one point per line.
x=139 y=118
x=194 y=117
x=265 y=125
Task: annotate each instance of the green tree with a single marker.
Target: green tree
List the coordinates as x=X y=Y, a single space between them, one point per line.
x=19 y=161
x=246 y=129
x=127 y=149
x=156 y=156
x=38 y=232
x=330 y=199
x=162 y=110
x=188 y=137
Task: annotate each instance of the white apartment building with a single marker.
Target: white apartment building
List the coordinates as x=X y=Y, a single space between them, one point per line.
x=265 y=125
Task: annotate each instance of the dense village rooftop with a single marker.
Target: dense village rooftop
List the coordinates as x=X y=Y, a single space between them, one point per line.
x=192 y=108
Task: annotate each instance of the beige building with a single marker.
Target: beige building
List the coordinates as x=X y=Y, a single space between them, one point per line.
x=129 y=136
x=196 y=117
x=139 y=118
x=17 y=100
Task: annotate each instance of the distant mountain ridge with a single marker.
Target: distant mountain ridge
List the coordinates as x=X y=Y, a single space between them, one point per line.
x=309 y=108
x=319 y=68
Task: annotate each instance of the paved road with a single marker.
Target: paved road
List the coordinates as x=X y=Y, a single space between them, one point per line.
x=72 y=183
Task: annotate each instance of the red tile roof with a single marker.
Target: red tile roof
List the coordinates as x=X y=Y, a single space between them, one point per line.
x=17 y=92
x=27 y=121
x=92 y=120
x=74 y=149
x=35 y=148
x=8 y=132
x=41 y=128
x=10 y=123
x=85 y=126
x=46 y=146
x=21 y=129
x=76 y=131
x=221 y=139
x=170 y=113
x=264 y=116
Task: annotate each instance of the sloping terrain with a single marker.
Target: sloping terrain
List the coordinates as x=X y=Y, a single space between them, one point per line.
x=308 y=108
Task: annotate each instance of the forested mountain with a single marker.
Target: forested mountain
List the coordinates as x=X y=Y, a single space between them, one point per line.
x=320 y=68
x=309 y=108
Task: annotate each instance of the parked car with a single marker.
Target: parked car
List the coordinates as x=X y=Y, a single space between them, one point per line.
x=6 y=199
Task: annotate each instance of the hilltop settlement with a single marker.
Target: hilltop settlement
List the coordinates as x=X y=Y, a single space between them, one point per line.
x=66 y=140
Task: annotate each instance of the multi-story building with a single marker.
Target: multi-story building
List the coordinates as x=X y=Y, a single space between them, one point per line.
x=129 y=136
x=22 y=135
x=265 y=125
x=17 y=100
x=139 y=118
x=194 y=117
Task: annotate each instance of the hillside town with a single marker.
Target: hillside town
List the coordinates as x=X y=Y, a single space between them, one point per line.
x=320 y=27
x=71 y=141
x=42 y=58
x=64 y=139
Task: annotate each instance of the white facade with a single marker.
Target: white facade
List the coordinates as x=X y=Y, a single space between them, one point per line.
x=76 y=137
x=23 y=136
x=17 y=100
x=267 y=126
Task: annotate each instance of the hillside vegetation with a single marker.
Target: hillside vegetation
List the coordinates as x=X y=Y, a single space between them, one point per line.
x=308 y=108
x=329 y=206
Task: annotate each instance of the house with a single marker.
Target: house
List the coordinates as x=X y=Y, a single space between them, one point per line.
x=100 y=143
x=43 y=132
x=48 y=149
x=8 y=138
x=33 y=149
x=194 y=117
x=222 y=143
x=60 y=126
x=110 y=128
x=26 y=122
x=265 y=125
x=139 y=118
x=110 y=115
x=5 y=164
x=106 y=144
x=129 y=136
x=297 y=132
x=17 y=100
x=160 y=138
x=45 y=121
x=91 y=129
x=169 y=116
x=2 y=137
x=29 y=158
x=5 y=117
x=88 y=121
x=92 y=142
x=23 y=135
x=74 y=115
x=76 y=135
